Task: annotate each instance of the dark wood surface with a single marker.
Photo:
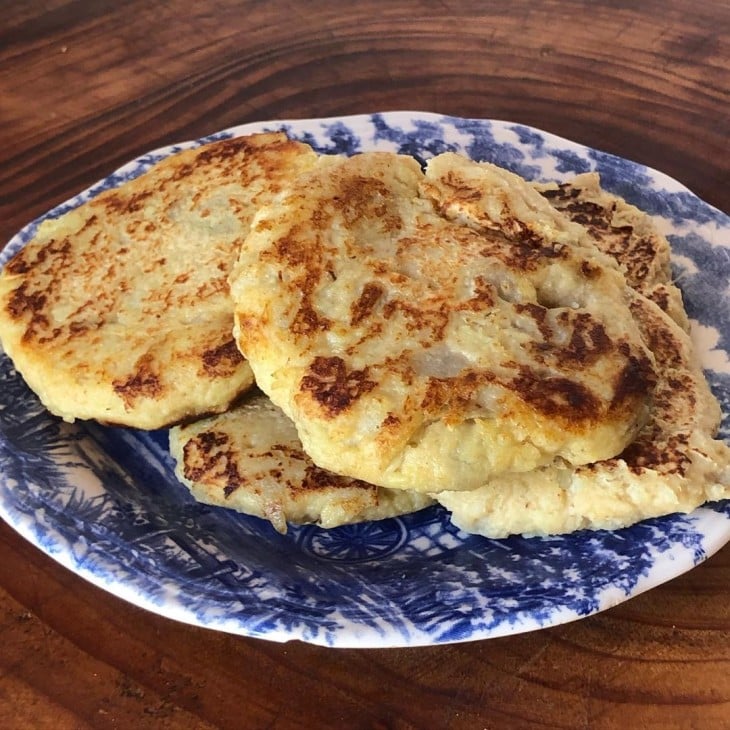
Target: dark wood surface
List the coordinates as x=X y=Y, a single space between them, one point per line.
x=85 y=86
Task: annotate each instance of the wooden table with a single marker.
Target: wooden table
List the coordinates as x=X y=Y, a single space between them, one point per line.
x=85 y=86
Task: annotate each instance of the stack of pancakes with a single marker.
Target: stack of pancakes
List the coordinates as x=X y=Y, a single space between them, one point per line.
x=337 y=339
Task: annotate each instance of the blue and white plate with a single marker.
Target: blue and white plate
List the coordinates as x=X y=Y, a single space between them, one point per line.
x=104 y=501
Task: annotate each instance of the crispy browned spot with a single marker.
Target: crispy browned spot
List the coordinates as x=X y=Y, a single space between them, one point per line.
x=291 y=249
x=300 y=256
x=461 y=190
x=555 y=396
x=316 y=479
x=588 y=341
x=634 y=381
x=125 y=204
x=588 y=213
x=539 y=314
x=144 y=383
x=589 y=270
x=563 y=191
x=307 y=320
x=660 y=297
x=452 y=397
x=76 y=329
x=223 y=360
x=205 y=458
x=20 y=263
x=331 y=385
x=23 y=302
x=667 y=455
x=521 y=249
x=662 y=342
x=365 y=198
x=183 y=171
x=365 y=304
x=224 y=150
x=483 y=297
x=431 y=314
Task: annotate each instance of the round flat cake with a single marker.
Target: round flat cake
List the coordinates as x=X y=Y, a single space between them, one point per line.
x=430 y=331
x=674 y=464
x=249 y=459
x=119 y=310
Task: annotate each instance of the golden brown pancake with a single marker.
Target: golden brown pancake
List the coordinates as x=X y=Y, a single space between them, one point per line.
x=119 y=310
x=430 y=332
x=674 y=464
x=249 y=459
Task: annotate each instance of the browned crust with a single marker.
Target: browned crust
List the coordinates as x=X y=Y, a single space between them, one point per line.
x=424 y=304
x=331 y=385
x=108 y=275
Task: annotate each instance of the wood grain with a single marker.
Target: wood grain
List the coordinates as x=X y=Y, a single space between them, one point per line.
x=86 y=85
x=103 y=81
x=662 y=657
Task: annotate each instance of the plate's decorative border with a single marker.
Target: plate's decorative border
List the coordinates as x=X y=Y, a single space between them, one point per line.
x=104 y=503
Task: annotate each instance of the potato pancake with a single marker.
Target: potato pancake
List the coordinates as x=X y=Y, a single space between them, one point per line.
x=674 y=464
x=431 y=331
x=249 y=459
x=119 y=310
